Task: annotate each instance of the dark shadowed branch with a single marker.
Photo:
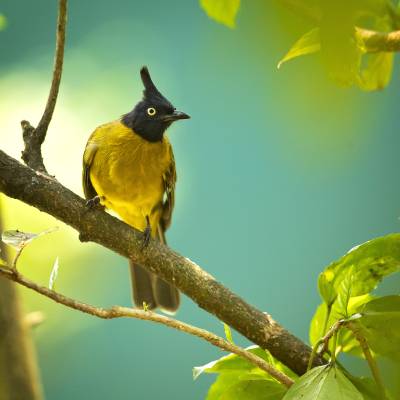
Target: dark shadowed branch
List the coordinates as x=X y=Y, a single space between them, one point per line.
x=120 y=312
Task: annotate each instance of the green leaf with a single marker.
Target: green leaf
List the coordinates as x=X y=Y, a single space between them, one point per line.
x=53 y=275
x=238 y=385
x=19 y=239
x=341 y=49
x=326 y=287
x=372 y=261
x=366 y=386
x=222 y=11
x=344 y=293
x=229 y=363
x=323 y=383
x=228 y=334
x=345 y=340
x=3 y=22
x=378 y=71
x=222 y=384
x=234 y=363
x=309 y=43
x=380 y=325
x=254 y=390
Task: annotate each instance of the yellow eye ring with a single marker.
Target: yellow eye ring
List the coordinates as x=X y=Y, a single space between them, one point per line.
x=151 y=111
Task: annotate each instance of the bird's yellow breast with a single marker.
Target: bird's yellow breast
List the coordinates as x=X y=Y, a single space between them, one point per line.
x=127 y=172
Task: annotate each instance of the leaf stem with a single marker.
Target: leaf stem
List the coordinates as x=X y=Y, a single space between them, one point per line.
x=313 y=354
x=369 y=357
x=17 y=255
x=334 y=342
x=328 y=314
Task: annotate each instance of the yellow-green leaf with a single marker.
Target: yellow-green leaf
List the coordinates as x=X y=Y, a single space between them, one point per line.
x=376 y=75
x=380 y=325
x=3 y=22
x=222 y=11
x=307 y=44
x=53 y=275
x=228 y=333
x=371 y=262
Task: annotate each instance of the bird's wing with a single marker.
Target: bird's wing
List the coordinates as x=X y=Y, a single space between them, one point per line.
x=169 y=179
x=88 y=157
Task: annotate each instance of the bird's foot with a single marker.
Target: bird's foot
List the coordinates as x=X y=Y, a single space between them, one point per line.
x=94 y=203
x=146 y=234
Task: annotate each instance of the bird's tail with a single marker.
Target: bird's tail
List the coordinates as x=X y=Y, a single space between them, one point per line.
x=153 y=291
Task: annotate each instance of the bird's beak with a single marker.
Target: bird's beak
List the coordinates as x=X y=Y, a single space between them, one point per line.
x=175 y=116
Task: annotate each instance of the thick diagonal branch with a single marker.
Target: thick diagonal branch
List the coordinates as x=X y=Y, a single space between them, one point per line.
x=120 y=312
x=48 y=195
x=34 y=137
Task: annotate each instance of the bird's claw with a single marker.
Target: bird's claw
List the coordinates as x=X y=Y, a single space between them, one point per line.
x=93 y=203
x=146 y=235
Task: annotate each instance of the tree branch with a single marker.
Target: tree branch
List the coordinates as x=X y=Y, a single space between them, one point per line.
x=33 y=138
x=33 y=187
x=48 y=195
x=380 y=41
x=119 y=312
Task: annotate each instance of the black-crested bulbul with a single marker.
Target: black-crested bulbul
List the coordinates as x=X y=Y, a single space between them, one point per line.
x=129 y=167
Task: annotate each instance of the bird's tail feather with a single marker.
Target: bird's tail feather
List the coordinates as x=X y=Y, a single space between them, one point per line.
x=152 y=290
x=142 y=286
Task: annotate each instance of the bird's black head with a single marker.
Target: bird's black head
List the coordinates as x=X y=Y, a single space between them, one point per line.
x=153 y=114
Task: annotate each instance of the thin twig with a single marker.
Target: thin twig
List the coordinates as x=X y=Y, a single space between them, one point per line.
x=368 y=356
x=331 y=332
x=33 y=138
x=118 y=312
x=321 y=346
x=17 y=255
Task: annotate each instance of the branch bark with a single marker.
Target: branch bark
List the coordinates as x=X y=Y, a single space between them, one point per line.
x=48 y=195
x=19 y=376
x=120 y=312
x=33 y=138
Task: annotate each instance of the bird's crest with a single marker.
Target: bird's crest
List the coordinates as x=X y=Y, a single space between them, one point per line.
x=150 y=89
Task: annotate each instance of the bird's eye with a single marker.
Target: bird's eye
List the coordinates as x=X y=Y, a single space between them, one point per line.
x=151 y=111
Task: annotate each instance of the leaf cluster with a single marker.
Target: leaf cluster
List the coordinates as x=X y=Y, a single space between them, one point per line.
x=349 y=311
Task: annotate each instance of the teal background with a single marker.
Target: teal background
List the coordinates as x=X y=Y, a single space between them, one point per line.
x=279 y=173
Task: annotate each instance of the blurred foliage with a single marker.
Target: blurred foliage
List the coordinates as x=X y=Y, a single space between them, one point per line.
x=344 y=55
x=3 y=22
x=345 y=286
x=222 y=11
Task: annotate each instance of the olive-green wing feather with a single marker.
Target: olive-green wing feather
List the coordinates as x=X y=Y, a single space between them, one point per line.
x=167 y=295
x=88 y=157
x=169 y=179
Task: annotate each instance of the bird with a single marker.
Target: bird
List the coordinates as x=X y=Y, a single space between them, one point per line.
x=129 y=169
